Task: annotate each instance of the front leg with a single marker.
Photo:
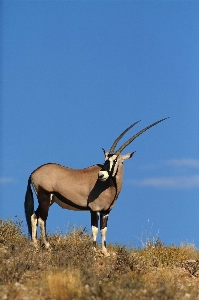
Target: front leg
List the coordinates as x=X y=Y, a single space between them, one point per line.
x=103 y=230
x=94 y=226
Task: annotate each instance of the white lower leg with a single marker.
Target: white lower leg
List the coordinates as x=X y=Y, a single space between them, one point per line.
x=94 y=233
x=43 y=232
x=103 y=234
x=34 y=229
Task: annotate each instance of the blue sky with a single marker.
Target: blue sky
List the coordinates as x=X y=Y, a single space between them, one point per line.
x=74 y=75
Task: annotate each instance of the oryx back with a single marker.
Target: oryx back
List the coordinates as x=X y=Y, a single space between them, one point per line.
x=68 y=185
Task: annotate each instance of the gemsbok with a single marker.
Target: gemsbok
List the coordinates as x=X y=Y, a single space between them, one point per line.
x=93 y=189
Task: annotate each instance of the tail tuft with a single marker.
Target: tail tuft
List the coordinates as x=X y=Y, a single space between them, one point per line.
x=29 y=206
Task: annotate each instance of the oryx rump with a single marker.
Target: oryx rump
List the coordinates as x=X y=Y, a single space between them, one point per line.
x=94 y=189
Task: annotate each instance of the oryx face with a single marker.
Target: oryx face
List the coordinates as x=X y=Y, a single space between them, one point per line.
x=110 y=166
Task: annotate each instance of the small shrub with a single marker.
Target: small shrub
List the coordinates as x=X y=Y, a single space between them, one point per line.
x=72 y=250
x=11 y=232
x=158 y=255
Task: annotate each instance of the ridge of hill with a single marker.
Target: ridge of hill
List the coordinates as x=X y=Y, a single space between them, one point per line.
x=72 y=270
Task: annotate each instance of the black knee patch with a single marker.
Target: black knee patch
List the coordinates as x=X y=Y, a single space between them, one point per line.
x=103 y=220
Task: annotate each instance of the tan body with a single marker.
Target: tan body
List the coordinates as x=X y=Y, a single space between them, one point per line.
x=77 y=189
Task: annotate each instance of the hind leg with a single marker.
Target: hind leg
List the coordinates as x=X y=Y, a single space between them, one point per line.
x=42 y=225
x=34 y=222
x=41 y=215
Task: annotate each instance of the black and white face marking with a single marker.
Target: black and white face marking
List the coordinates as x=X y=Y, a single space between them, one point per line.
x=111 y=164
x=109 y=168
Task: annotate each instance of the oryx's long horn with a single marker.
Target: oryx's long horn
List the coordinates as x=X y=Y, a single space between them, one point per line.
x=136 y=135
x=120 y=136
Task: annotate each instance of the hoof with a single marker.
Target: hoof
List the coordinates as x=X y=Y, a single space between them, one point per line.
x=47 y=245
x=35 y=246
x=105 y=252
x=48 y=248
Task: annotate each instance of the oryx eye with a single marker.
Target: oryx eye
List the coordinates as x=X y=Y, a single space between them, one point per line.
x=115 y=160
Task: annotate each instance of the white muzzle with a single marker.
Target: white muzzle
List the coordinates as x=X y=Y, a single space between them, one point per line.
x=103 y=175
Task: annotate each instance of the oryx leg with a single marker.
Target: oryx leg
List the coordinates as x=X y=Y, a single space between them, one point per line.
x=103 y=230
x=41 y=215
x=94 y=226
x=34 y=222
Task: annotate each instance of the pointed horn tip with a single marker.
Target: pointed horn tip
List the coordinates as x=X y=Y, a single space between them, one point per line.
x=132 y=153
x=164 y=119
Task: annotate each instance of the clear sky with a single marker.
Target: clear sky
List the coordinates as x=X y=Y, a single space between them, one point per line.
x=74 y=75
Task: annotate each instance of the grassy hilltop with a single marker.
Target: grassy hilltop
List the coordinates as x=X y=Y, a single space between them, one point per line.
x=71 y=270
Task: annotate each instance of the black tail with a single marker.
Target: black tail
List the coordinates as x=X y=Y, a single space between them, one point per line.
x=29 y=206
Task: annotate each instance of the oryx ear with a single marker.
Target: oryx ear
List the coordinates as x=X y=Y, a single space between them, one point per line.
x=105 y=152
x=127 y=156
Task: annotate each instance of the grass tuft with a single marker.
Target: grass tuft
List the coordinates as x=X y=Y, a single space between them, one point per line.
x=66 y=285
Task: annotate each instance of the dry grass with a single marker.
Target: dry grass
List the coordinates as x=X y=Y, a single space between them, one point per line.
x=66 y=285
x=71 y=270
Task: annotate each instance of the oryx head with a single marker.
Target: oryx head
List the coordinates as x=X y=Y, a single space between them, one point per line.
x=113 y=159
